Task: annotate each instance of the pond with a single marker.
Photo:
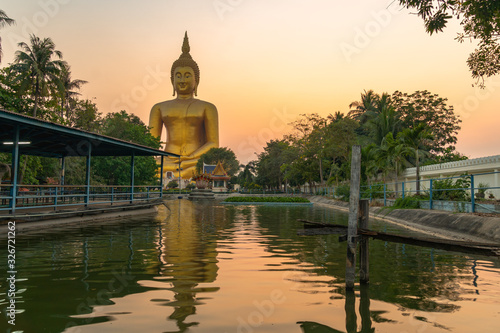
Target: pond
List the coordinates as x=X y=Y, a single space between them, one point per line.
x=219 y=268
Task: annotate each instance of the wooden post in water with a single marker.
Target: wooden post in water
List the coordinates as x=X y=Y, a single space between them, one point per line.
x=352 y=229
x=364 y=213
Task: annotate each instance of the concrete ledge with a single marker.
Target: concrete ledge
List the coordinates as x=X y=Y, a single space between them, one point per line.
x=78 y=219
x=438 y=223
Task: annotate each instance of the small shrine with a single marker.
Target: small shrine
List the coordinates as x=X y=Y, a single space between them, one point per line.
x=213 y=177
x=219 y=178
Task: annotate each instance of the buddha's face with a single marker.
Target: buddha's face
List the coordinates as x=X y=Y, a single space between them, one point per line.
x=184 y=80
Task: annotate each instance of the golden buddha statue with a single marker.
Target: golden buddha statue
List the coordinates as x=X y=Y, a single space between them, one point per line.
x=192 y=125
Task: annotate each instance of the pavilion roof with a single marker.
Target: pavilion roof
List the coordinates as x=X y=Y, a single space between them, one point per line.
x=54 y=140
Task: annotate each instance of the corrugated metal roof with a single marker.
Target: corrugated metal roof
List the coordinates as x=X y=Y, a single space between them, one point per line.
x=55 y=140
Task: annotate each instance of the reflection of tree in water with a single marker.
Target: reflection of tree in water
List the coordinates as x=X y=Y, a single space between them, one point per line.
x=189 y=256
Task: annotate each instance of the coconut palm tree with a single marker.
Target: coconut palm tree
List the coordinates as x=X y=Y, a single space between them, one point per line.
x=385 y=122
x=418 y=140
x=393 y=152
x=36 y=71
x=68 y=92
x=4 y=20
x=362 y=110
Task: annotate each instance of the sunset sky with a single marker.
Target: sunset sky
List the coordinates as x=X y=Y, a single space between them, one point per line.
x=262 y=62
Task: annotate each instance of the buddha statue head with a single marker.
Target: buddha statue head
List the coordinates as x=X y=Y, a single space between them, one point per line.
x=185 y=60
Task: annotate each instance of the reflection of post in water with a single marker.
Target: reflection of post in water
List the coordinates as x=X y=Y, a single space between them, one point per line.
x=350 y=315
x=188 y=258
x=364 y=311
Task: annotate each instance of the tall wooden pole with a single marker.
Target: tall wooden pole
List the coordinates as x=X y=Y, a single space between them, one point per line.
x=352 y=229
x=364 y=212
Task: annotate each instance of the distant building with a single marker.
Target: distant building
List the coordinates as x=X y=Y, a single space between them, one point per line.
x=486 y=170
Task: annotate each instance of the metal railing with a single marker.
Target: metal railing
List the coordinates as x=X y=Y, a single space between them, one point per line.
x=465 y=193
x=59 y=196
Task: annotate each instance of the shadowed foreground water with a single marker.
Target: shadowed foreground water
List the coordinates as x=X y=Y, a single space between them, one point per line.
x=217 y=268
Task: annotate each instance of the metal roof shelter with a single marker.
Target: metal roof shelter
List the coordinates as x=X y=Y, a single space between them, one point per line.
x=24 y=135
x=55 y=140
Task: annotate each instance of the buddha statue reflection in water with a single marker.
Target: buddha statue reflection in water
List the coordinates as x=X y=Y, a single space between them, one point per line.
x=192 y=125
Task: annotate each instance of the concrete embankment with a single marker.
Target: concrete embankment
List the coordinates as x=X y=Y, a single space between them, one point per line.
x=75 y=219
x=462 y=226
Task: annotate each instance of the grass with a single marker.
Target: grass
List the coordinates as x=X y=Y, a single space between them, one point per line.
x=266 y=199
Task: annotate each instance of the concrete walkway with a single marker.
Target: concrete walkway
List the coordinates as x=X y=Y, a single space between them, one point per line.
x=460 y=226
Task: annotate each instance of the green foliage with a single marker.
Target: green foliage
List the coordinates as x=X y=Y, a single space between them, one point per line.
x=115 y=170
x=343 y=192
x=224 y=155
x=374 y=191
x=423 y=108
x=479 y=20
x=407 y=203
x=172 y=184
x=451 y=189
x=266 y=199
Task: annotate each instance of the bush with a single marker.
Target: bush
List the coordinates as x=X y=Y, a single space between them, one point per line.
x=450 y=189
x=172 y=184
x=407 y=203
x=376 y=191
x=266 y=199
x=343 y=192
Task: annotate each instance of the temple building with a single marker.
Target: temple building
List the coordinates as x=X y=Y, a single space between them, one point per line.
x=219 y=177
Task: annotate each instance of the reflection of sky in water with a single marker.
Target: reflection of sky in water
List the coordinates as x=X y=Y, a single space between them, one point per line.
x=244 y=269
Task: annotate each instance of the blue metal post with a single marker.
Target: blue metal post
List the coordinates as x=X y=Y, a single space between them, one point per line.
x=87 y=176
x=403 y=189
x=473 y=200
x=55 y=197
x=63 y=172
x=15 y=172
x=430 y=195
x=161 y=177
x=385 y=195
x=132 y=176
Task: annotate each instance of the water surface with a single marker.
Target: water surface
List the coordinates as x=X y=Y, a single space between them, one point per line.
x=215 y=268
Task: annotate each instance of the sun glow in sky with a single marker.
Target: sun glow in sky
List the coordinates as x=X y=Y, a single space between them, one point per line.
x=262 y=62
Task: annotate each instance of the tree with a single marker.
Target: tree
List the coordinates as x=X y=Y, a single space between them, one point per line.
x=115 y=170
x=423 y=107
x=417 y=139
x=391 y=155
x=4 y=20
x=224 y=155
x=36 y=71
x=247 y=175
x=480 y=20
x=85 y=115
x=386 y=121
x=68 y=91
x=363 y=109
x=269 y=164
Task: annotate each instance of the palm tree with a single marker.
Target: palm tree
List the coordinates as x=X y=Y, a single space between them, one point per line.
x=4 y=20
x=35 y=69
x=394 y=151
x=387 y=121
x=418 y=140
x=364 y=109
x=68 y=92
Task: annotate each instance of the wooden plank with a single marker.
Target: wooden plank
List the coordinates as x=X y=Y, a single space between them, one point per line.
x=322 y=231
x=487 y=249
